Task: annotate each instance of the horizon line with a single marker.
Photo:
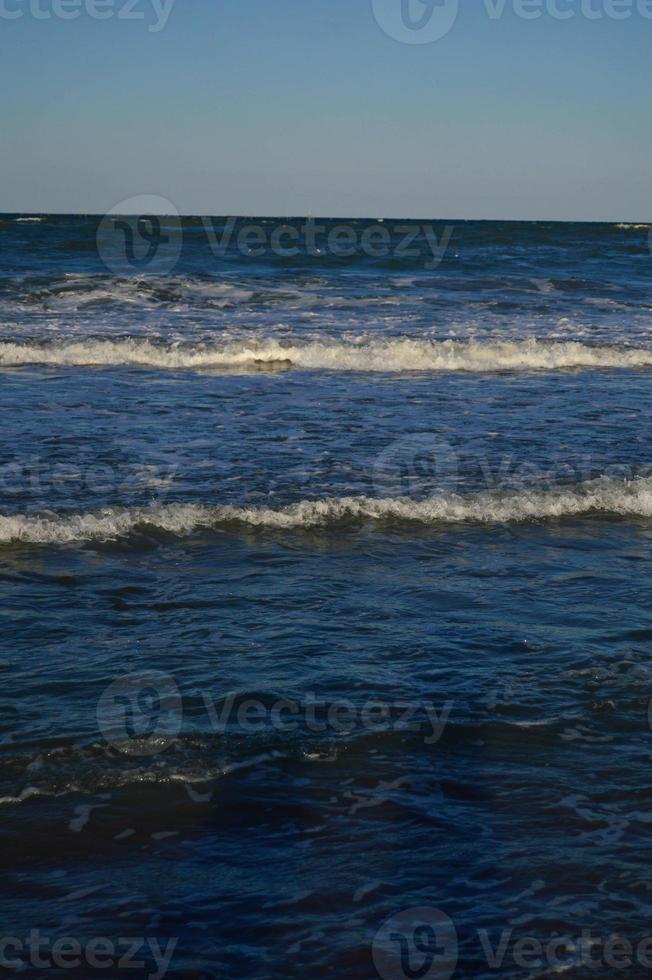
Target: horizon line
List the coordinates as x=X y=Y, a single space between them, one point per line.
x=312 y=217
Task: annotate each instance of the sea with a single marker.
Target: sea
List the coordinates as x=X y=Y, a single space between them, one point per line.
x=325 y=598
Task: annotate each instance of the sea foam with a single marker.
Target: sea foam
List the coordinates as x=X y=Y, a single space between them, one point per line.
x=395 y=355
x=627 y=498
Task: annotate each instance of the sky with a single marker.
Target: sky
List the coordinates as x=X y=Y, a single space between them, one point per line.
x=298 y=107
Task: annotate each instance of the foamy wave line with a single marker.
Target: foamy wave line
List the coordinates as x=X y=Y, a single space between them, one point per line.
x=388 y=355
x=616 y=497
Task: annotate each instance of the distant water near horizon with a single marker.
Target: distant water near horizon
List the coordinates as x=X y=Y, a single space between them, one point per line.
x=325 y=591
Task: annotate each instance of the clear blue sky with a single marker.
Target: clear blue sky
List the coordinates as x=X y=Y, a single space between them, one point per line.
x=307 y=106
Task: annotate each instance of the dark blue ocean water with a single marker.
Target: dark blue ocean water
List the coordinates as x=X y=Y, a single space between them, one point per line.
x=325 y=591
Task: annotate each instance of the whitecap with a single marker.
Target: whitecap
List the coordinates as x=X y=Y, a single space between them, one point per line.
x=392 y=355
x=627 y=498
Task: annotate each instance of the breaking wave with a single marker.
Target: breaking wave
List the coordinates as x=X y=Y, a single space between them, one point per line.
x=632 y=498
x=396 y=355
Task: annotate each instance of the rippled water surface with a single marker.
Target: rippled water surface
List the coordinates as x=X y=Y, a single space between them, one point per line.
x=325 y=590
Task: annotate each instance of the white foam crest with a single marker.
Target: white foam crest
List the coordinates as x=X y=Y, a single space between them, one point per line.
x=632 y=498
x=392 y=355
